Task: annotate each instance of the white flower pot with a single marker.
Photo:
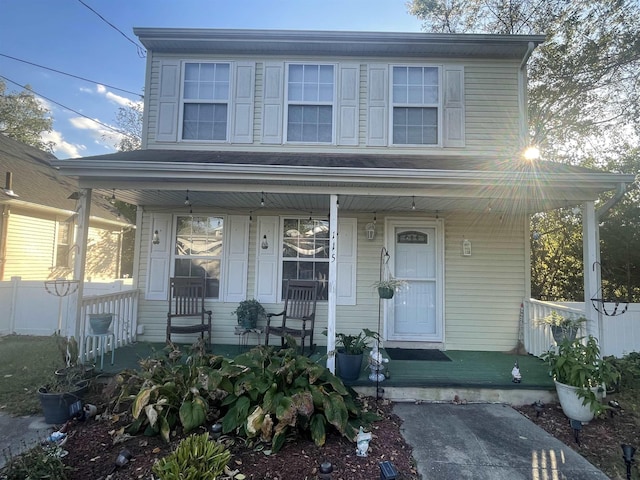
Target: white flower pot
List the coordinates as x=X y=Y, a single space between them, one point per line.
x=571 y=403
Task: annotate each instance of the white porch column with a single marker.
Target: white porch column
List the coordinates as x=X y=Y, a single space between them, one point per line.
x=333 y=275
x=591 y=266
x=83 y=210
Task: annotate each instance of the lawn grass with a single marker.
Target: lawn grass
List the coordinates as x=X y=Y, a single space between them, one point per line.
x=26 y=363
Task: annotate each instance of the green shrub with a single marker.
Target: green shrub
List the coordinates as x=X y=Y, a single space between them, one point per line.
x=195 y=458
x=629 y=368
x=38 y=463
x=165 y=392
x=262 y=394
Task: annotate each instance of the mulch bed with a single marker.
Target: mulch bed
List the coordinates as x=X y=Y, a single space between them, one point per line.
x=92 y=453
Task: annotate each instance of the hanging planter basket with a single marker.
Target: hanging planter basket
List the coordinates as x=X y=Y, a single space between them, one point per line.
x=385 y=292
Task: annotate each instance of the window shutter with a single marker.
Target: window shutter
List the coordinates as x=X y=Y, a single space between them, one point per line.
x=267 y=259
x=273 y=103
x=453 y=128
x=347 y=255
x=158 y=268
x=236 y=258
x=243 y=103
x=348 y=104
x=168 y=102
x=377 y=105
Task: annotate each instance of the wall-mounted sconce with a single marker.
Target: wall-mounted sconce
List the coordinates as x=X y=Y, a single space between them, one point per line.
x=371 y=230
x=466 y=248
x=265 y=243
x=112 y=200
x=156 y=238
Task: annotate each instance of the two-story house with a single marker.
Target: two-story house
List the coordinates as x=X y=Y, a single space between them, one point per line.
x=273 y=155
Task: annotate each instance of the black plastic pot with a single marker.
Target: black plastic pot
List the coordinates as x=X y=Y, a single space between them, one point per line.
x=56 y=406
x=348 y=366
x=385 y=292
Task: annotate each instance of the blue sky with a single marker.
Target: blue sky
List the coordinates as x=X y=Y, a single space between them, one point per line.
x=65 y=35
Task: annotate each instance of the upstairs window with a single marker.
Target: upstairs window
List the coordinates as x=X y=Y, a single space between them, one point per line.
x=198 y=250
x=416 y=105
x=310 y=98
x=206 y=101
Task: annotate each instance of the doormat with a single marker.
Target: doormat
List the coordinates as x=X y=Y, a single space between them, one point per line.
x=406 y=354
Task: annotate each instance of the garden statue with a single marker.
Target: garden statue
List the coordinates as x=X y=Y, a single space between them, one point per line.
x=376 y=362
x=516 y=377
x=362 y=443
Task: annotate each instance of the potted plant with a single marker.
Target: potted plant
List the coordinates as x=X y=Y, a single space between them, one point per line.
x=349 y=352
x=73 y=369
x=248 y=313
x=562 y=327
x=579 y=373
x=387 y=287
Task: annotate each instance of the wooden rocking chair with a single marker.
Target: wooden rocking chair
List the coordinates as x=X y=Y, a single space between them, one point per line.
x=299 y=314
x=186 y=300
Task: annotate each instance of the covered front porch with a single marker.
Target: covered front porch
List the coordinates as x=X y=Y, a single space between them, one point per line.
x=475 y=211
x=472 y=376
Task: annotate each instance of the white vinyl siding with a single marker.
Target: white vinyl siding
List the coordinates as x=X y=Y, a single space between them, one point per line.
x=491 y=107
x=487 y=120
x=484 y=291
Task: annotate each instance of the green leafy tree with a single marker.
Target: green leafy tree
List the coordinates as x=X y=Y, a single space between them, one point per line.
x=24 y=118
x=584 y=109
x=129 y=122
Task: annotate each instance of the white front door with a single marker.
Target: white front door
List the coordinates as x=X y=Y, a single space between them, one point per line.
x=415 y=313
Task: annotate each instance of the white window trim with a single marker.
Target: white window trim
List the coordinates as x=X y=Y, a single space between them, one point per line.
x=333 y=104
x=181 y=101
x=223 y=255
x=440 y=106
x=70 y=242
x=281 y=257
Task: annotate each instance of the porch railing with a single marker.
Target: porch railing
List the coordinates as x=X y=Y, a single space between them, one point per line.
x=538 y=338
x=123 y=306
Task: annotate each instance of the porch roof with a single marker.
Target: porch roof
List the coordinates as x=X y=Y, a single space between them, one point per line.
x=365 y=182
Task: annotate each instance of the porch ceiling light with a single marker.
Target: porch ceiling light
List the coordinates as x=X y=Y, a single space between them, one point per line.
x=187 y=201
x=112 y=200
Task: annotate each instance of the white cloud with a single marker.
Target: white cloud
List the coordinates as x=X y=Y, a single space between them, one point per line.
x=62 y=148
x=101 y=134
x=112 y=97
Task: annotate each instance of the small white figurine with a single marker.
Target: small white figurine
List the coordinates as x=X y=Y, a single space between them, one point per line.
x=516 y=377
x=362 y=443
x=376 y=361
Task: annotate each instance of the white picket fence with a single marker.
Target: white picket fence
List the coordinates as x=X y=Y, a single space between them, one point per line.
x=27 y=308
x=621 y=333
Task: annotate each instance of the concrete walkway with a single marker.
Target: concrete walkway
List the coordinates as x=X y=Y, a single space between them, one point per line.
x=486 y=441
x=20 y=433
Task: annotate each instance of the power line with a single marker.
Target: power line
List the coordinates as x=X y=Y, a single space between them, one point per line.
x=109 y=127
x=141 y=51
x=69 y=74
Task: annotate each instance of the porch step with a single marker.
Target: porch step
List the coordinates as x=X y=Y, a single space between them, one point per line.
x=510 y=396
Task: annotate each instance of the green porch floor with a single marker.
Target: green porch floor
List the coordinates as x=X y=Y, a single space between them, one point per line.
x=471 y=369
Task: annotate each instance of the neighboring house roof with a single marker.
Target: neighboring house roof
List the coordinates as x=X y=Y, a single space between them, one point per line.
x=37 y=183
